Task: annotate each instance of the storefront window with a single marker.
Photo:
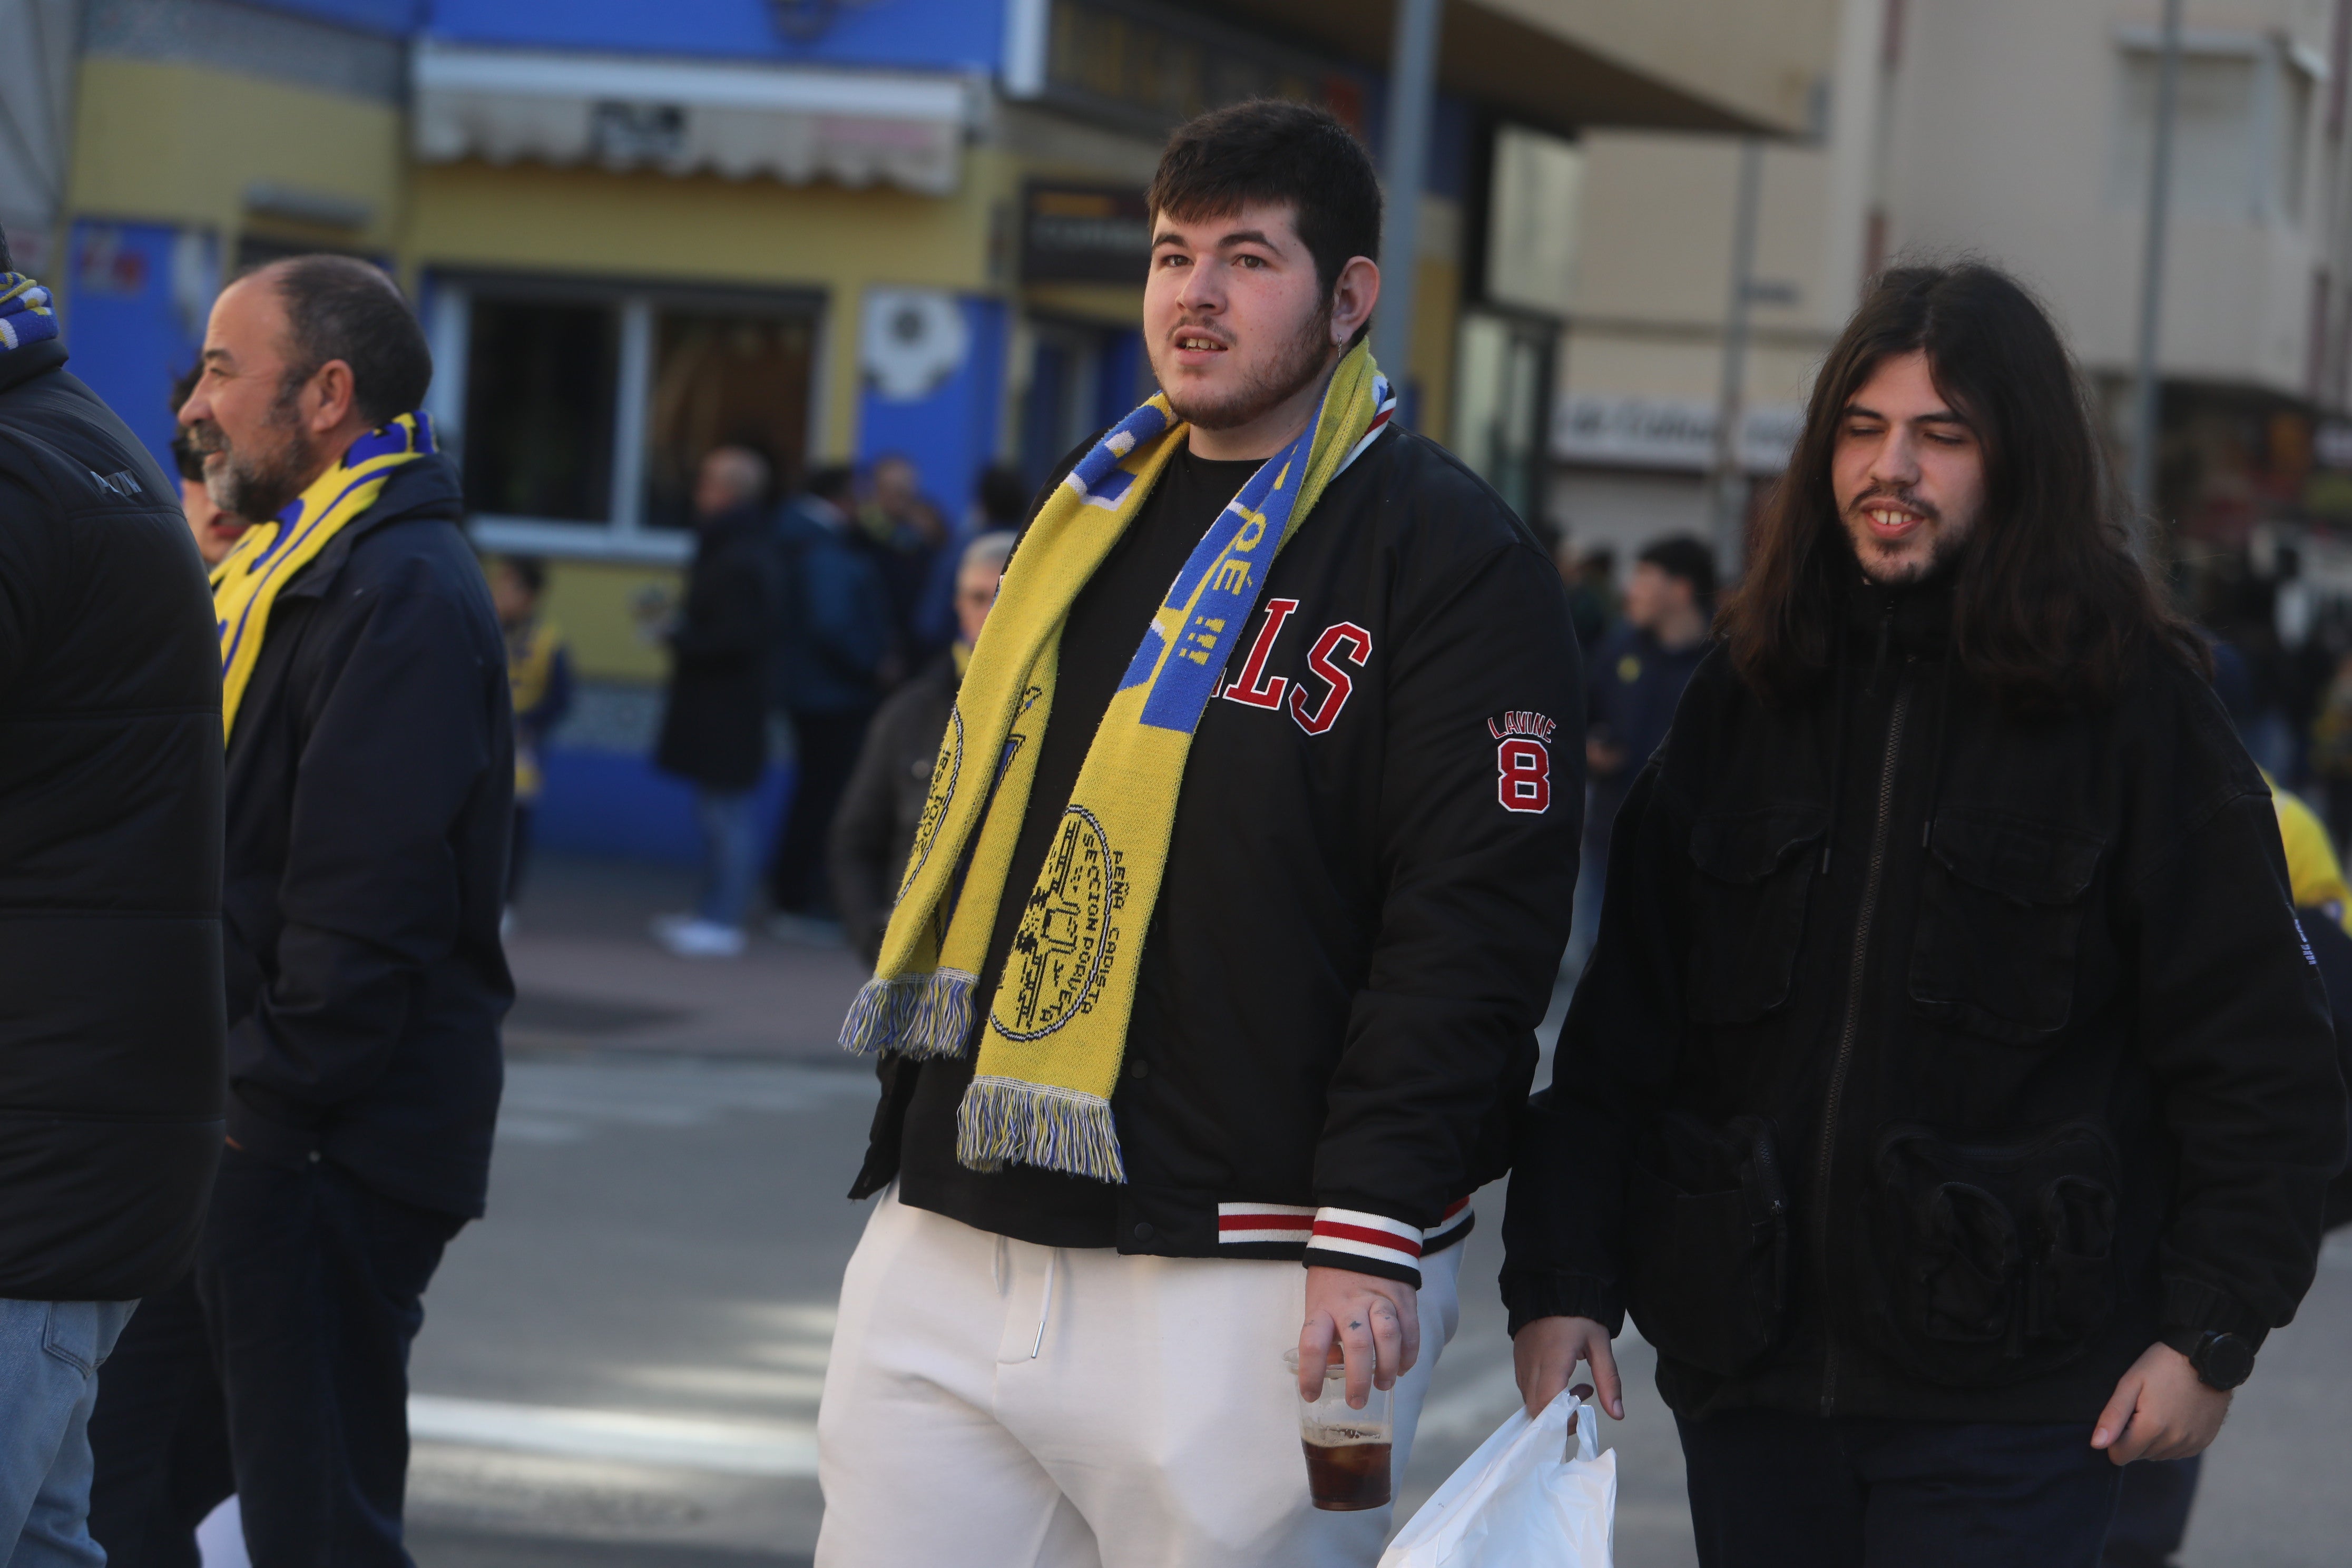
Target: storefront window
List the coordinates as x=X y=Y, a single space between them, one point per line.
x=723 y=377
x=539 y=392
x=1502 y=404
x=583 y=410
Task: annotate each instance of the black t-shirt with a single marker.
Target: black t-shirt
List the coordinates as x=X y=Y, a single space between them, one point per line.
x=1107 y=623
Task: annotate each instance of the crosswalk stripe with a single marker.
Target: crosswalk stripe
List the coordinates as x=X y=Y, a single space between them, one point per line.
x=729 y=1447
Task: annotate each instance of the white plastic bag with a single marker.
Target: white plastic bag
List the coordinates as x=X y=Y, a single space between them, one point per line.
x=1520 y=1501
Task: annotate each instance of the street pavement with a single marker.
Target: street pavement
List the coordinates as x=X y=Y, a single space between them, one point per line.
x=620 y=1366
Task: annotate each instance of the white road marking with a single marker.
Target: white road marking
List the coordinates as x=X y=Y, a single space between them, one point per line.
x=693 y=1442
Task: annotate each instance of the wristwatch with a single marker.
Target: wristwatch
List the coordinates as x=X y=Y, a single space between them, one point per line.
x=2222 y=1361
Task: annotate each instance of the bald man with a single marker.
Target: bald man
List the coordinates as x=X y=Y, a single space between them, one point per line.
x=369 y=792
x=715 y=728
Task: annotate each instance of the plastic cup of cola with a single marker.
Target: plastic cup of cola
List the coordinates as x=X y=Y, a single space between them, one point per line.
x=1347 y=1448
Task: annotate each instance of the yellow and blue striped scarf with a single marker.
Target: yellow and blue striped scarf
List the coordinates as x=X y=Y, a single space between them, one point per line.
x=1050 y=1055
x=267 y=558
x=28 y=314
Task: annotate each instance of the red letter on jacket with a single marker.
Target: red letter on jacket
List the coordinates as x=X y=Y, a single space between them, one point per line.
x=1252 y=687
x=1354 y=644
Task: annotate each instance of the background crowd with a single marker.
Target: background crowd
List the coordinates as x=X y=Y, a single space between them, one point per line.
x=824 y=622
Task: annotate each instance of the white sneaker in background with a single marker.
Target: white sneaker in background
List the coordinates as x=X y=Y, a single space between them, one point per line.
x=699 y=938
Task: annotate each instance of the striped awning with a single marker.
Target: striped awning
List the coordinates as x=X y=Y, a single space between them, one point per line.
x=857 y=128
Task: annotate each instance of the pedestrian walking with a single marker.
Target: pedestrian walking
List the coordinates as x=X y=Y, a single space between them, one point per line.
x=714 y=729
x=874 y=829
x=1951 y=1096
x=110 y=874
x=832 y=638
x=904 y=534
x=1636 y=676
x=1240 y=888
x=369 y=786
x=539 y=689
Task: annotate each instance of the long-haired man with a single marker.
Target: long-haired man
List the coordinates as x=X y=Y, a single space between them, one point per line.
x=1953 y=1092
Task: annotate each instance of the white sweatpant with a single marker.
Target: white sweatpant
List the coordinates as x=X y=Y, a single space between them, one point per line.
x=992 y=1403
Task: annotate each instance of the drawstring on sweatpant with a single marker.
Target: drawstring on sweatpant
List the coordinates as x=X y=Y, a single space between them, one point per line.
x=1046 y=1304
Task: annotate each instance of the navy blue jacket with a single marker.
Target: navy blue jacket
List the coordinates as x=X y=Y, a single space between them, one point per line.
x=371 y=788
x=835 y=620
x=110 y=853
x=1631 y=690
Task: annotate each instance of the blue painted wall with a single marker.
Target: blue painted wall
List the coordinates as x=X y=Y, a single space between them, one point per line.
x=950 y=434
x=602 y=802
x=134 y=317
x=930 y=34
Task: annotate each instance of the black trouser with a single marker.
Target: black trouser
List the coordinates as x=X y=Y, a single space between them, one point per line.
x=278 y=1371
x=2152 y=1515
x=826 y=754
x=1770 y=1489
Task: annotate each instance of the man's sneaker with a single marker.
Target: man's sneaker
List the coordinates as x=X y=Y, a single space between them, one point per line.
x=698 y=938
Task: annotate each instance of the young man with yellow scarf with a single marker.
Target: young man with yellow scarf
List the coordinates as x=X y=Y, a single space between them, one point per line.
x=369 y=784
x=1244 y=878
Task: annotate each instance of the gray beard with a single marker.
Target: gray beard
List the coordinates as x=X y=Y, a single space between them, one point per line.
x=257 y=488
x=1301 y=364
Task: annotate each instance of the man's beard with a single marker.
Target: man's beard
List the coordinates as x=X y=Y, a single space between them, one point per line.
x=1296 y=366
x=258 y=485
x=1890 y=569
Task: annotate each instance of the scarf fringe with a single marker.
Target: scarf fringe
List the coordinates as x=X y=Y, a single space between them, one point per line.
x=1004 y=1121
x=920 y=1016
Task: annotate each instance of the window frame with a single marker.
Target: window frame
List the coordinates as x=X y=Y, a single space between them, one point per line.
x=624 y=535
x=2280 y=155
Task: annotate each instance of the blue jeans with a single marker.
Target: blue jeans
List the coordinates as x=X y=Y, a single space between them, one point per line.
x=730 y=855
x=1770 y=1489
x=49 y=1355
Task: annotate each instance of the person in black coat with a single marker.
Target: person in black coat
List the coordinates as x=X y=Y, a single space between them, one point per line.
x=874 y=830
x=715 y=729
x=1952 y=1096
x=370 y=783
x=111 y=1013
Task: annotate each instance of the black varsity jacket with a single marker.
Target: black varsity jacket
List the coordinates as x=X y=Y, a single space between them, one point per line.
x=1367 y=891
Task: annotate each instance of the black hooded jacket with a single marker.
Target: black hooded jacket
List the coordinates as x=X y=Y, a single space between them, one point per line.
x=371 y=789
x=110 y=853
x=1933 y=1059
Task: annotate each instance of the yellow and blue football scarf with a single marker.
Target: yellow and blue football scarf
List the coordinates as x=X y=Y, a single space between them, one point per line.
x=28 y=314
x=1049 y=1056
x=245 y=584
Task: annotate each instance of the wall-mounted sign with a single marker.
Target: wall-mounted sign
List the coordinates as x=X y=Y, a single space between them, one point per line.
x=912 y=340
x=1084 y=234
x=1666 y=433
x=1152 y=65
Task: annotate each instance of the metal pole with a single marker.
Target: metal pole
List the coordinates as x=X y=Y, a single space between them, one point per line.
x=2145 y=392
x=1729 y=478
x=1413 y=87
